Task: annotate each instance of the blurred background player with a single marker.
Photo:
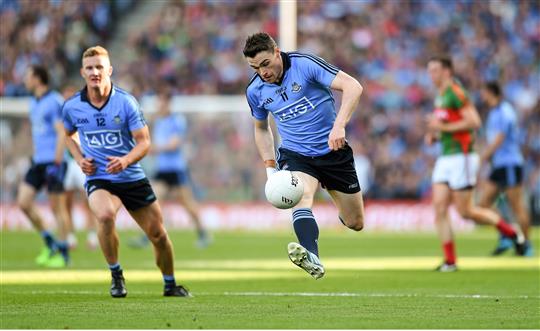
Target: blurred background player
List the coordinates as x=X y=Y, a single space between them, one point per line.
x=503 y=153
x=116 y=137
x=48 y=166
x=172 y=178
x=296 y=89
x=454 y=175
x=74 y=186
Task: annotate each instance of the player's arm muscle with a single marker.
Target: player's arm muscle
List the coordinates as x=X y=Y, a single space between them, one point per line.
x=171 y=145
x=470 y=120
x=491 y=148
x=86 y=164
x=72 y=145
x=264 y=140
x=351 y=92
x=142 y=145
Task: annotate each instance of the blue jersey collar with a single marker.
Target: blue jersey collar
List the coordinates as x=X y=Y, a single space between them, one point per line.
x=84 y=97
x=43 y=95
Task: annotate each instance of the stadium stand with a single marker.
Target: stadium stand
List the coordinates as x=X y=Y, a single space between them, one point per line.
x=385 y=45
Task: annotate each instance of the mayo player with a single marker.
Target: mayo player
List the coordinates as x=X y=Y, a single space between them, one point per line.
x=455 y=171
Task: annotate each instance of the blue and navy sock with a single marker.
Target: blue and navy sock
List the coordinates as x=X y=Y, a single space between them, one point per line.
x=169 y=281
x=63 y=249
x=115 y=267
x=49 y=240
x=306 y=229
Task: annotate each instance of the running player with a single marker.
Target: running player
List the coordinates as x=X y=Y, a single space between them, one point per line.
x=114 y=137
x=454 y=176
x=172 y=178
x=504 y=154
x=48 y=166
x=296 y=89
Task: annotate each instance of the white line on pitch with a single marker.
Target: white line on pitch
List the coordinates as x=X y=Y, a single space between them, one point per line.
x=379 y=295
x=308 y=294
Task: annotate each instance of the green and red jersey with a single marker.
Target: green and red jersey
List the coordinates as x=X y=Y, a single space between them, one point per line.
x=448 y=107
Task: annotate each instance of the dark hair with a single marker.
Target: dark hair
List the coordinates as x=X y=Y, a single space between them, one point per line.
x=258 y=42
x=445 y=61
x=41 y=73
x=493 y=87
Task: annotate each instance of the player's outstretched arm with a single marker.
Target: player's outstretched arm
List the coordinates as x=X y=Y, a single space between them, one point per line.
x=142 y=145
x=352 y=90
x=264 y=140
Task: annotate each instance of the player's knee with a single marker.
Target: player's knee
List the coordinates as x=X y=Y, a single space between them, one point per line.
x=355 y=222
x=464 y=212
x=483 y=203
x=358 y=224
x=105 y=217
x=158 y=237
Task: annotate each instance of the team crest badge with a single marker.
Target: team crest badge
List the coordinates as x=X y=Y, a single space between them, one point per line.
x=117 y=119
x=296 y=87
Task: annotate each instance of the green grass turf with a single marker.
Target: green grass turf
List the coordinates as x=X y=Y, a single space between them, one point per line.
x=278 y=296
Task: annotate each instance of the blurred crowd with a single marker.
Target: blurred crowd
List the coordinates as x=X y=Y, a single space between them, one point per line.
x=55 y=32
x=195 y=46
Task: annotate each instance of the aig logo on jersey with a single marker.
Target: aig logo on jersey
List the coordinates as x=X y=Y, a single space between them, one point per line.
x=104 y=138
x=298 y=108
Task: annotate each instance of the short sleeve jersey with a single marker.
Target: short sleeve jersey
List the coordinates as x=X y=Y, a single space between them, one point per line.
x=447 y=108
x=106 y=131
x=302 y=104
x=503 y=119
x=45 y=113
x=166 y=128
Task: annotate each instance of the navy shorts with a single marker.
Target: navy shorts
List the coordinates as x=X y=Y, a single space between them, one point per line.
x=335 y=170
x=173 y=178
x=134 y=195
x=40 y=174
x=505 y=177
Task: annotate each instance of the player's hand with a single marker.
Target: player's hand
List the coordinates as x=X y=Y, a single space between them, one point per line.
x=87 y=166
x=270 y=171
x=433 y=123
x=116 y=164
x=429 y=139
x=336 y=139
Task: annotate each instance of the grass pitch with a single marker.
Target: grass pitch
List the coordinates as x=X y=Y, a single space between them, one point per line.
x=245 y=281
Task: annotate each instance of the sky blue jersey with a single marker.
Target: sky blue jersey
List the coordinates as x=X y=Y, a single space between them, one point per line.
x=302 y=103
x=106 y=131
x=503 y=119
x=45 y=113
x=165 y=128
